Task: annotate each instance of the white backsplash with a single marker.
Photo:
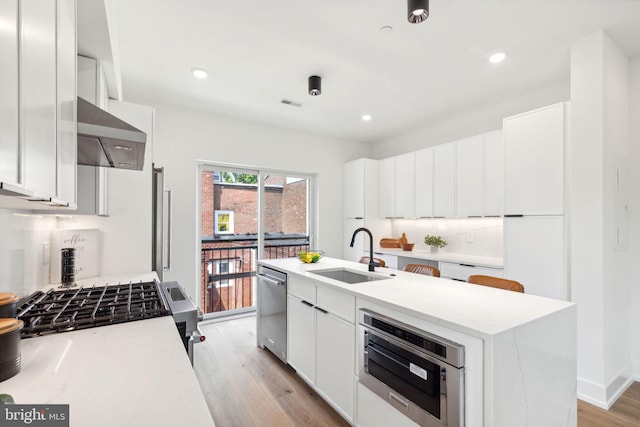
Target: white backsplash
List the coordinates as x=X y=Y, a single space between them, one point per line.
x=23 y=267
x=472 y=236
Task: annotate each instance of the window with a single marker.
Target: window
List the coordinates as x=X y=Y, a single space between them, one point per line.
x=222 y=267
x=224 y=222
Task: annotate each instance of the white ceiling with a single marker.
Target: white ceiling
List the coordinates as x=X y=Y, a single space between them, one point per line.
x=259 y=52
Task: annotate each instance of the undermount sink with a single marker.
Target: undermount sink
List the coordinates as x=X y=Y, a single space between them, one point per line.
x=348 y=276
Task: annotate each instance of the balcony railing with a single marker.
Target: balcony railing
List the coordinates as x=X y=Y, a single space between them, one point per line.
x=228 y=270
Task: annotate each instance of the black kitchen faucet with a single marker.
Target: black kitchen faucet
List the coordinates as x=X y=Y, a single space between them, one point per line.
x=372 y=265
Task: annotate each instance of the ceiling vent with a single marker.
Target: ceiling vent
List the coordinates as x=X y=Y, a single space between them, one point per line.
x=291 y=103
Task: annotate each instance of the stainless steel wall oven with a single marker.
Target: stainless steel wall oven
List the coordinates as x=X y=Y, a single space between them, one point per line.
x=418 y=373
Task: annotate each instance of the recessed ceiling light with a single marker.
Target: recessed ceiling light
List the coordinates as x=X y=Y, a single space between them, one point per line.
x=199 y=73
x=497 y=57
x=366 y=117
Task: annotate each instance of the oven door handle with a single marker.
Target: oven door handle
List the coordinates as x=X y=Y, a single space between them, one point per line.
x=387 y=356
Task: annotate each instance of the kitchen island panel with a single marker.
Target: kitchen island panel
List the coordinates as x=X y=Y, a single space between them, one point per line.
x=534 y=374
x=133 y=374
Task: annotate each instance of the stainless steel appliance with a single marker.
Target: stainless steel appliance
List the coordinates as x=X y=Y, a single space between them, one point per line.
x=418 y=373
x=161 y=224
x=185 y=313
x=88 y=307
x=105 y=140
x=272 y=311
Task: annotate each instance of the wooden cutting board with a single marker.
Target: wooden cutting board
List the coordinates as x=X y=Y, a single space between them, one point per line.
x=390 y=243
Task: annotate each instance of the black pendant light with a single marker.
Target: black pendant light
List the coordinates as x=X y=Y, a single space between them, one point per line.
x=315 y=85
x=418 y=11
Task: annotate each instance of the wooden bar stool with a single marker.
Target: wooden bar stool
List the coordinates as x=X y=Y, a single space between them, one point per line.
x=427 y=270
x=379 y=262
x=496 y=282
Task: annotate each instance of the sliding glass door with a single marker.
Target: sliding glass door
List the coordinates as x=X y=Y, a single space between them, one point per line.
x=245 y=215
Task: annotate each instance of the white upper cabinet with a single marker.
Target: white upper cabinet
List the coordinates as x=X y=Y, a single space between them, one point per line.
x=38 y=103
x=405 y=182
x=534 y=159
x=424 y=183
x=354 y=187
x=493 y=174
x=9 y=101
x=361 y=207
x=444 y=180
x=38 y=95
x=396 y=179
x=66 y=102
x=386 y=187
x=470 y=177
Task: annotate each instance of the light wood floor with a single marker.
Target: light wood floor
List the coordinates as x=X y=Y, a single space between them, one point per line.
x=246 y=386
x=624 y=413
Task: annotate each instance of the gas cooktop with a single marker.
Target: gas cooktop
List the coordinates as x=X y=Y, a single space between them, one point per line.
x=66 y=310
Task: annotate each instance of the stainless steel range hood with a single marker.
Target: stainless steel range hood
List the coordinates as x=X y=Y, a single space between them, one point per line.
x=105 y=140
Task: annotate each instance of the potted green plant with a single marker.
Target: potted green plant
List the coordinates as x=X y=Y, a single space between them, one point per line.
x=435 y=242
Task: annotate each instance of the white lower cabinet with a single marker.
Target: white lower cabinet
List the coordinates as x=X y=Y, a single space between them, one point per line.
x=321 y=336
x=301 y=344
x=390 y=261
x=335 y=360
x=461 y=272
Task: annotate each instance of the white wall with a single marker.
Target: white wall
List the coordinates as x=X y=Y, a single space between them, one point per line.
x=634 y=213
x=23 y=269
x=470 y=236
x=600 y=271
x=184 y=137
x=470 y=123
x=617 y=269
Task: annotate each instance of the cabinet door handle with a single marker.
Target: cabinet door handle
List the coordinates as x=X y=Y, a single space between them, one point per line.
x=169 y=228
x=307 y=303
x=322 y=310
x=468 y=265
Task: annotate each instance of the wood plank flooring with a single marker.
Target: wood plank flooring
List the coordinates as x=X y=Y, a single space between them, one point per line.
x=246 y=386
x=624 y=413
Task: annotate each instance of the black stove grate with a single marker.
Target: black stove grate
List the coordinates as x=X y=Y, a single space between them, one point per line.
x=70 y=309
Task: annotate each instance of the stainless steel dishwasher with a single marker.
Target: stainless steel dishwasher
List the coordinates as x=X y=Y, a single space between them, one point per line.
x=272 y=311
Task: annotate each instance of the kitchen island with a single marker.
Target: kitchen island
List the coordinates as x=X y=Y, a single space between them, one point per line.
x=520 y=350
x=134 y=374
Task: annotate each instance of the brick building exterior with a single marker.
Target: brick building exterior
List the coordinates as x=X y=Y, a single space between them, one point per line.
x=228 y=259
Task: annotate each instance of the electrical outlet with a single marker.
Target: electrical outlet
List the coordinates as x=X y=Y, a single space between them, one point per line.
x=46 y=253
x=470 y=236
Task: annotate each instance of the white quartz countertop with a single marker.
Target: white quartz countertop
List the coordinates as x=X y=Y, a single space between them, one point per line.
x=472 y=309
x=480 y=261
x=133 y=374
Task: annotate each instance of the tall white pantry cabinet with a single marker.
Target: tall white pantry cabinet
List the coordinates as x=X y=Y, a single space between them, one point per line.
x=534 y=223
x=361 y=206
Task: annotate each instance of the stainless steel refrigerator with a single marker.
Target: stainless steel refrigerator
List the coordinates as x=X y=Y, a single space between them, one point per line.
x=161 y=224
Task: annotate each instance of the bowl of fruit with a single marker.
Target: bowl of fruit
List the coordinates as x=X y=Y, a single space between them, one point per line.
x=310 y=256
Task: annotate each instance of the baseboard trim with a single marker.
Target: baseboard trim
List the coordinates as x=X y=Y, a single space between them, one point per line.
x=605 y=396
